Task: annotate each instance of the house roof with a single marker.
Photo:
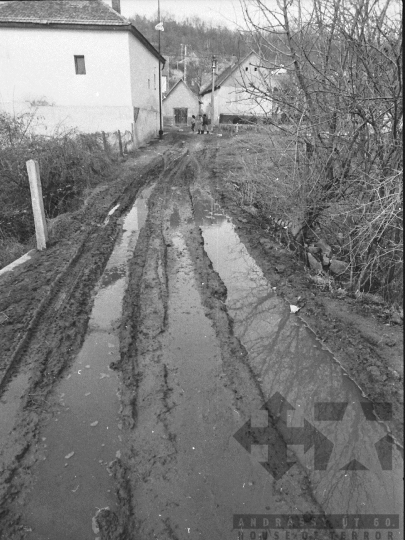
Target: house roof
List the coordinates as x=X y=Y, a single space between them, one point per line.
x=225 y=74
x=60 y=11
x=84 y=14
x=176 y=85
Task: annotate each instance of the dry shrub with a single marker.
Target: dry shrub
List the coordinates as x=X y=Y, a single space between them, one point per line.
x=363 y=224
x=10 y=250
x=69 y=164
x=265 y=173
x=334 y=70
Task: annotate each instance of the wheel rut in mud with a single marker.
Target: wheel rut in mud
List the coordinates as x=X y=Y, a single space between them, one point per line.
x=46 y=348
x=204 y=342
x=185 y=394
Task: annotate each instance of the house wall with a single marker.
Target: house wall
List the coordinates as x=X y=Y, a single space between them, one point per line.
x=180 y=97
x=231 y=97
x=144 y=85
x=37 y=73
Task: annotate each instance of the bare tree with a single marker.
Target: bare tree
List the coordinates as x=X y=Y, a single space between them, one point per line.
x=342 y=97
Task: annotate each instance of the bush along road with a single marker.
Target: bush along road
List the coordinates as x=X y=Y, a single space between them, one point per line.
x=160 y=378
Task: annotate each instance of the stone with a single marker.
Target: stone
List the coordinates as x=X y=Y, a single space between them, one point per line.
x=326 y=249
x=314 y=263
x=338 y=267
x=314 y=249
x=296 y=231
x=280 y=268
x=325 y=260
x=395 y=318
x=252 y=210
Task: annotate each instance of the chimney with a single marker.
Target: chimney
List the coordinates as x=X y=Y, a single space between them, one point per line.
x=116 y=5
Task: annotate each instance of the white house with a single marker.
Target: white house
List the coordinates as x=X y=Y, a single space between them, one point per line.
x=78 y=63
x=231 y=98
x=180 y=104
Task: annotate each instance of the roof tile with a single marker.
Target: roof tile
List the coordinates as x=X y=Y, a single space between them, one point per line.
x=60 y=11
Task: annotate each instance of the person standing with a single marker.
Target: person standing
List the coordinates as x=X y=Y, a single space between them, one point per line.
x=205 y=123
x=192 y=123
x=199 y=124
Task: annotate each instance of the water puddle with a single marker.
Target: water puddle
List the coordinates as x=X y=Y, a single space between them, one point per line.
x=10 y=403
x=358 y=469
x=205 y=478
x=83 y=437
x=175 y=218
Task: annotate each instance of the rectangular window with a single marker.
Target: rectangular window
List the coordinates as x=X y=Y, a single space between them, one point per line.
x=148 y=83
x=80 y=65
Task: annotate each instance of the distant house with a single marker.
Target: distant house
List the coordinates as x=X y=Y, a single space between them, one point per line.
x=78 y=63
x=231 y=98
x=180 y=104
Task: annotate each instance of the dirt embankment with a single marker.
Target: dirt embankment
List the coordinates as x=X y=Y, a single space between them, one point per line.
x=358 y=330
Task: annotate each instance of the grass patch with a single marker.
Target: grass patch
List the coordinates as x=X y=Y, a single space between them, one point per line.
x=70 y=165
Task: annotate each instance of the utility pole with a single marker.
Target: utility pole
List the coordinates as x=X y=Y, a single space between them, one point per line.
x=160 y=81
x=213 y=66
x=168 y=74
x=185 y=64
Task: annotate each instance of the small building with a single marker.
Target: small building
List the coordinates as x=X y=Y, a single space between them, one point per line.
x=179 y=105
x=231 y=99
x=80 y=64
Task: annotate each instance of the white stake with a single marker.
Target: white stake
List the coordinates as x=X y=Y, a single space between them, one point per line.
x=37 y=203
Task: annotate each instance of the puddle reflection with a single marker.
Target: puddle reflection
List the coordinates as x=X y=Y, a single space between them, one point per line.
x=287 y=358
x=84 y=436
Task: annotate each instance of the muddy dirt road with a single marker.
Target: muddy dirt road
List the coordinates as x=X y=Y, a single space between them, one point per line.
x=184 y=396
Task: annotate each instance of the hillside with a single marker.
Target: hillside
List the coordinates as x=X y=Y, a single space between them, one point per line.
x=193 y=41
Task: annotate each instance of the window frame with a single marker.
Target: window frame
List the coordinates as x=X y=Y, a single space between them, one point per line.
x=80 y=69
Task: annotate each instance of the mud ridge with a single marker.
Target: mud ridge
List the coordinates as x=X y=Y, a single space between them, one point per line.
x=144 y=318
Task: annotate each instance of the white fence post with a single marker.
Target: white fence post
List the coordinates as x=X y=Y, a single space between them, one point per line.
x=37 y=203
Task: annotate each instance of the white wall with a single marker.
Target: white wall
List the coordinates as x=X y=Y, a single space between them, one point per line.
x=39 y=64
x=144 y=85
x=37 y=67
x=232 y=99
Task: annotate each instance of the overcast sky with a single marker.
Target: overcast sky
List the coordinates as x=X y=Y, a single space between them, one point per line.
x=224 y=12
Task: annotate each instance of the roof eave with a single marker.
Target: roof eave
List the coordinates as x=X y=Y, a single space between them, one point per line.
x=208 y=90
x=147 y=43
x=90 y=26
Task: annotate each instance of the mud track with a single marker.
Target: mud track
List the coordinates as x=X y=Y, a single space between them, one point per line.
x=52 y=327
x=204 y=342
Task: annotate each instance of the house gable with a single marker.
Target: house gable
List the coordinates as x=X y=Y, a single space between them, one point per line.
x=180 y=96
x=181 y=89
x=231 y=76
